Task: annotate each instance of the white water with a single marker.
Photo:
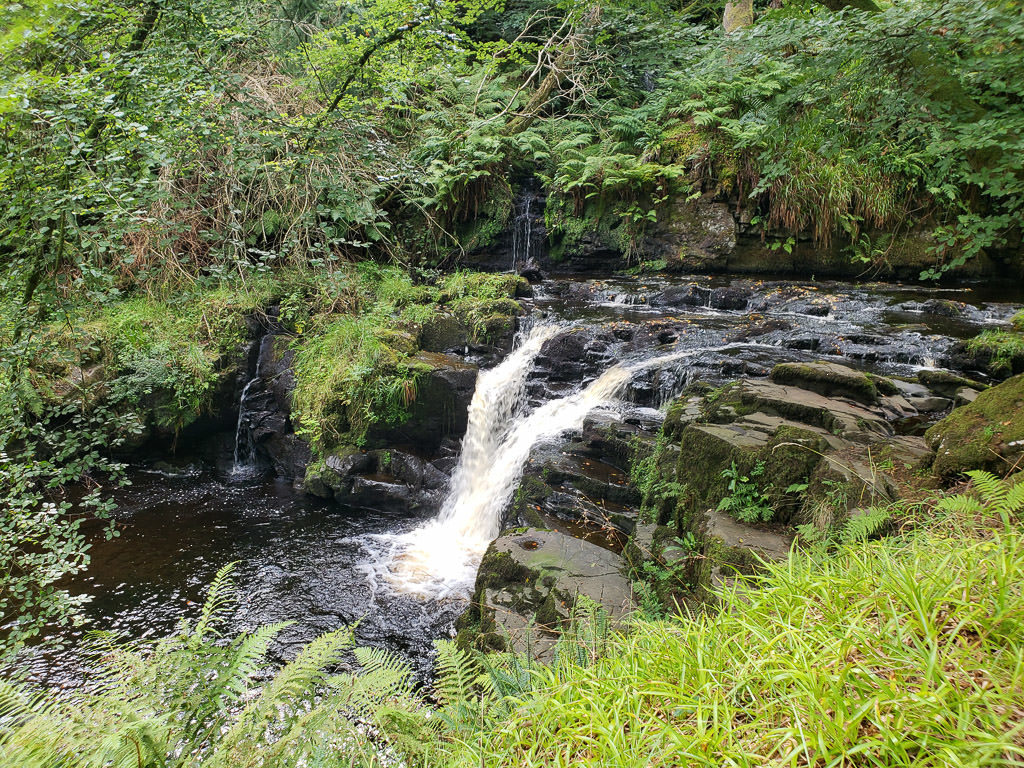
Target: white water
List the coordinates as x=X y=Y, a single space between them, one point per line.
x=441 y=557
x=243 y=463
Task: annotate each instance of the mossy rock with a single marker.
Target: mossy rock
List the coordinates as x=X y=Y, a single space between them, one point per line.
x=528 y=582
x=830 y=380
x=332 y=474
x=946 y=384
x=444 y=333
x=529 y=499
x=987 y=434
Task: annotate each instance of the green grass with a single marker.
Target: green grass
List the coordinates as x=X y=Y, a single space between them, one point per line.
x=356 y=330
x=906 y=651
x=1001 y=346
x=357 y=368
x=348 y=378
x=160 y=357
x=902 y=652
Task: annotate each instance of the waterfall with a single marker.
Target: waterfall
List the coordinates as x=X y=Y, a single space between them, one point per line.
x=522 y=229
x=244 y=461
x=441 y=557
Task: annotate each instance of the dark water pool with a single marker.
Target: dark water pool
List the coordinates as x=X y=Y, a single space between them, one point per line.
x=298 y=559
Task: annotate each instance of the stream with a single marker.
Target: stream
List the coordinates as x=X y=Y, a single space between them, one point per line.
x=404 y=577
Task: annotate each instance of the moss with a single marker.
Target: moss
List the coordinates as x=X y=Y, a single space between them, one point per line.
x=946 y=383
x=163 y=361
x=986 y=434
x=529 y=497
x=1000 y=352
x=790 y=458
x=828 y=379
x=357 y=371
x=548 y=616
x=500 y=569
x=883 y=385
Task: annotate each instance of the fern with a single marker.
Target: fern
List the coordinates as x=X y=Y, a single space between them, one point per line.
x=997 y=496
x=188 y=699
x=461 y=690
x=585 y=640
x=865 y=525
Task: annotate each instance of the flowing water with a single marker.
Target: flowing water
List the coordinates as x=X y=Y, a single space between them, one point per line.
x=404 y=575
x=441 y=557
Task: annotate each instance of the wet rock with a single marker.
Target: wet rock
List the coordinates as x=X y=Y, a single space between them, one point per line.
x=382 y=493
x=943 y=307
x=829 y=379
x=814 y=309
x=773 y=325
x=526 y=587
x=569 y=356
x=267 y=407
x=415 y=472
x=945 y=383
x=444 y=389
x=995 y=359
x=732 y=298
x=608 y=436
x=693 y=234
x=965 y=396
x=930 y=404
x=691 y=295
x=531 y=271
x=986 y=434
x=809 y=343
x=333 y=476
x=445 y=333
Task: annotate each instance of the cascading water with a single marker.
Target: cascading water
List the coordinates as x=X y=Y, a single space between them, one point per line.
x=523 y=234
x=244 y=449
x=244 y=463
x=440 y=558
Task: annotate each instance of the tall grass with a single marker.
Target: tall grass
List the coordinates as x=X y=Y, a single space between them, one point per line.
x=906 y=652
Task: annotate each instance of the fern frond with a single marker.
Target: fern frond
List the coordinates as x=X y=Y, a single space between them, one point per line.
x=993 y=490
x=865 y=525
x=218 y=597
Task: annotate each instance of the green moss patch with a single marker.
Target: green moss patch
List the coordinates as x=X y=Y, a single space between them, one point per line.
x=987 y=434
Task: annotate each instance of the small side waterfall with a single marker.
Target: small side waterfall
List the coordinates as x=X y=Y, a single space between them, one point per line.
x=441 y=557
x=244 y=461
x=524 y=234
x=245 y=449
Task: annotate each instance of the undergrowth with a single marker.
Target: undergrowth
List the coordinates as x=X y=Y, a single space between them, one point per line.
x=906 y=651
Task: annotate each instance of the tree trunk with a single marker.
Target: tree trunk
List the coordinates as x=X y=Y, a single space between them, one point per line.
x=738 y=14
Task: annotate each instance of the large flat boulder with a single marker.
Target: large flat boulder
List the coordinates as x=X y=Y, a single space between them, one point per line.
x=832 y=380
x=527 y=585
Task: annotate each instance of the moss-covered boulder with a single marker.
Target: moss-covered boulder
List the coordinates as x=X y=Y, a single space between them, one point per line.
x=833 y=380
x=526 y=587
x=945 y=383
x=693 y=235
x=987 y=434
x=437 y=404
